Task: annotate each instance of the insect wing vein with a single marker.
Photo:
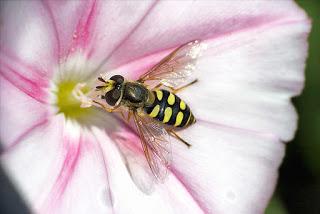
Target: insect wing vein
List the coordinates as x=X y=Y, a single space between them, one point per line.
x=156 y=145
x=178 y=67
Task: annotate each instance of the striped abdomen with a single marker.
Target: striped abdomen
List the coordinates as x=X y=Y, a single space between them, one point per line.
x=169 y=109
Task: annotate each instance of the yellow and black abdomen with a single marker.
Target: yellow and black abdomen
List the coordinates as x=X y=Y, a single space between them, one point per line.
x=169 y=109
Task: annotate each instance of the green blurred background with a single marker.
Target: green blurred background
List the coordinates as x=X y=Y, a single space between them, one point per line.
x=298 y=188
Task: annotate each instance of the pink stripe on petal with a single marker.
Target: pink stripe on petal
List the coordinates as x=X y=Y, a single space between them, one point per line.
x=72 y=22
x=83 y=32
x=250 y=24
x=132 y=69
x=55 y=30
x=19 y=112
x=66 y=172
x=127 y=35
x=28 y=78
x=25 y=134
x=33 y=70
x=215 y=20
x=85 y=26
x=32 y=163
x=30 y=87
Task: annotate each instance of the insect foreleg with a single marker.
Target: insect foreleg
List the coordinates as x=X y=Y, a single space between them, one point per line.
x=105 y=107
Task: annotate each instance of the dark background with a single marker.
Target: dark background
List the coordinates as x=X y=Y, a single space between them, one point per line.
x=298 y=189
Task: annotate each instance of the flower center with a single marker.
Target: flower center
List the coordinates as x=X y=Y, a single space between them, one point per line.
x=67 y=103
x=71 y=77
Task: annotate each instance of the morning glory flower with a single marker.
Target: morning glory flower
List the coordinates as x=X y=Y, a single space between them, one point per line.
x=67 y=159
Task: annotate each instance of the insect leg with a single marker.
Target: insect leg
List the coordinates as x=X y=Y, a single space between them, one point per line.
x=157 y=86
x=129 y=116
x=122 y=115
x=174 y=134
x=105 y=107
x=176 y=90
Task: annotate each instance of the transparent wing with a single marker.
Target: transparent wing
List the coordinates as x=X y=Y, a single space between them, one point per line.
x=156 y=145
x=178 y=67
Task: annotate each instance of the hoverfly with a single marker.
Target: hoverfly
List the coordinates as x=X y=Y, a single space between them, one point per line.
x=157 y=112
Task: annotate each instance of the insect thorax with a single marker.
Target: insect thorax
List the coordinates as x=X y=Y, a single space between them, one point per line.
x=135 y=95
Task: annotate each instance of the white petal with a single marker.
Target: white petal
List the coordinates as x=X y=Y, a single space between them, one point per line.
x=58 y=166
x=246 y=80
x=81 y=182
x=95 y=28
x=33 y=163
x=170 y=197
x=227 y=170
x=169 y=24
x=28 y=36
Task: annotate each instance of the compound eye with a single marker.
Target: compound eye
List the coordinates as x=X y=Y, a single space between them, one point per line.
x=117 y=78
x=113 y=96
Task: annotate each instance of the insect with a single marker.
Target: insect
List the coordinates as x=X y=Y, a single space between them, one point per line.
x=157 y=111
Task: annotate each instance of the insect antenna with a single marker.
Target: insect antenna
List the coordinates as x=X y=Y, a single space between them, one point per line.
x=99 y=87
x=101 y=79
